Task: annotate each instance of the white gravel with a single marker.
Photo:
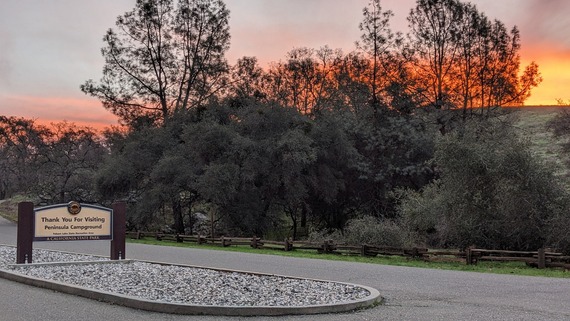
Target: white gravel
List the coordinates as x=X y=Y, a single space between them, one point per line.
x=8 y=256
x=183 y=285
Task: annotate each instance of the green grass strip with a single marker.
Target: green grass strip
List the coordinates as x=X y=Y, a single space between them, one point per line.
x=514 y=268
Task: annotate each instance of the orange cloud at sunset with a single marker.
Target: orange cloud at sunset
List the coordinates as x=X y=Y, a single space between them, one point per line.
x=46 y=53
x=555 y=84
x=544 y=29
x=554 y=67
x=45 y=110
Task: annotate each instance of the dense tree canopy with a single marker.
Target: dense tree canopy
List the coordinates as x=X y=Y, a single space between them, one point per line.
x=56 y=163
x=20 y=141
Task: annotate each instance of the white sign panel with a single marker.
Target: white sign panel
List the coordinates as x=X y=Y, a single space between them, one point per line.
x=72 y=222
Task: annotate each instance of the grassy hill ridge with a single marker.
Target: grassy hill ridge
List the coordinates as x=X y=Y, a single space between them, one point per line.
x=532 y=123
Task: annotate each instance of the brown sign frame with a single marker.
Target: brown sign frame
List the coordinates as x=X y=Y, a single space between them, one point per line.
x=26 y=231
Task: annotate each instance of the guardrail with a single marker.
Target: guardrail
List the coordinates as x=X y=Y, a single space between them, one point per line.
x=541 y=258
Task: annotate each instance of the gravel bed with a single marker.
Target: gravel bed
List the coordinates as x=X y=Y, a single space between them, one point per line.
x=184 y=285
x=8 y=256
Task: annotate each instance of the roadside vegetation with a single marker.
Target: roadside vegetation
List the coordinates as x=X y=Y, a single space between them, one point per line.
x=407 y=140
x=515 y=268
x=9 y=207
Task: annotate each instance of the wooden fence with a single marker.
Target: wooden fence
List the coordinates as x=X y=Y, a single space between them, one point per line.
x=541 y=258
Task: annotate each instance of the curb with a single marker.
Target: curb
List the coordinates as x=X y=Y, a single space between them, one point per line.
x=373 y=299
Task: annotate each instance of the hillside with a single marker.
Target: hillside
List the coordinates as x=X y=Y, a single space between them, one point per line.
x=532 y=123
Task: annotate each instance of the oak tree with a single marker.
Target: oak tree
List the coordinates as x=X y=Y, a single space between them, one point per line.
x=162 y=58
x=464 y=61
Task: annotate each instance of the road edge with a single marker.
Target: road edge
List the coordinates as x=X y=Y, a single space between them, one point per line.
x=372 y=300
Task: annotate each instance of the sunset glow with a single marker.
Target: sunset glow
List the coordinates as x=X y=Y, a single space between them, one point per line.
x=555 y=70
x=48 y=51
x=45 y=110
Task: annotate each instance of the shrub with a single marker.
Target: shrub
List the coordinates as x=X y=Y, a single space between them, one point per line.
x=368 y=230
x=371 y=231
x=492 y=193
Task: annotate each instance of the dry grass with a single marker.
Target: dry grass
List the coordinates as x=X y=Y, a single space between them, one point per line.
x=9 y=207
x=532 y=123
x=9 y=210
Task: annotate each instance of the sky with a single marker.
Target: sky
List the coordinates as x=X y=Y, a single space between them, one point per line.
x=49 y=48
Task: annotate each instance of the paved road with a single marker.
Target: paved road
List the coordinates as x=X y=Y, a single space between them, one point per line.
x=410 y=293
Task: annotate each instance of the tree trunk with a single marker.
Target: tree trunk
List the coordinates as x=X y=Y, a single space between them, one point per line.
x=212 y=224
x=304 y=216
x=178 y=217
x=294 y=229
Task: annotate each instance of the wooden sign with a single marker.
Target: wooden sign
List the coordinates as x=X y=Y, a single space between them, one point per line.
x=70 y=222
x=73 y=222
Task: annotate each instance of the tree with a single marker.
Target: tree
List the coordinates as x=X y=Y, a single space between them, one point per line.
x=162 y=60
x=21 y=143
x=333 y=177
x=305 y=81
x=350 y=92
x=270 y=154
x=126 y=173
x=560 y=102
x=248 y=82
x=463 y=61
x=379 y=44
x=433 y=32
x=560 y=127
x=69 y=159
x=57 y=163
x=492 y=193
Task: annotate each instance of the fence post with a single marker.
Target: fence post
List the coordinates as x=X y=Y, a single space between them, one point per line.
x=330 y=246
x=541 y=258
x=468 y=256
x=288 y=245
x=326 y=246
x=415 y=252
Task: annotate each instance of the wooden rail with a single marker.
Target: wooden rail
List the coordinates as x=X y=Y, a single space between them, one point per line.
x=541 y=259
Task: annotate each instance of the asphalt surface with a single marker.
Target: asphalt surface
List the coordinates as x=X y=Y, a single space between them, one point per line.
x=410 y=293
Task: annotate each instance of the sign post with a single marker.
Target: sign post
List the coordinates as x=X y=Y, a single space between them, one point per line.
x=70 y=222
x=25 y=232
x=119 y=231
